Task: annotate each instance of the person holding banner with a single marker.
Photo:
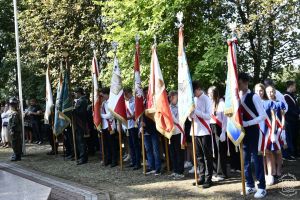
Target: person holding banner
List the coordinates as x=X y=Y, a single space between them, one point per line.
x=134 y=143
x=218 y=124
x=176 y=151
x=108 y=130
x=151 y=137
x=80 y=125
x=201 y=117
x=275 y=111
x=252 y=114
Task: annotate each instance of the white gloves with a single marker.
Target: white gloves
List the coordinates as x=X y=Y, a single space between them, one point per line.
x=223 y=137
x=245 y=124
x=273 y=138
x=283 y=135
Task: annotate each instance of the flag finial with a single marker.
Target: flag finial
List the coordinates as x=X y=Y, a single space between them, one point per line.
x=155 y=41
x=137 y=38
x=115 y=46
x=179 y=16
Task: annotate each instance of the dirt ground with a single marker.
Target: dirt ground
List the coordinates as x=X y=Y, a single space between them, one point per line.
x=128 y=184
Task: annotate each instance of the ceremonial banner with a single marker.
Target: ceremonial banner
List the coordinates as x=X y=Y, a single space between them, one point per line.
x=116 y=102
x=63 y=106
x=185 y=88
x=232 y=107
x=49 y=99
x=96 y=97
x=157 y=100
x=138 y=95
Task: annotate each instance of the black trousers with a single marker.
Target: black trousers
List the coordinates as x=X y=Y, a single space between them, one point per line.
x=204 y=157
x=177 y=154
x=110 y=143
x=68 y=141
x=135 y=148
x=220 y=151
x=235 y=160
x=92 y=142
x=36 y=130
x=81 y=146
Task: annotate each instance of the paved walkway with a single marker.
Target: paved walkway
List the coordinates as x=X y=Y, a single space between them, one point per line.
x=35 y=186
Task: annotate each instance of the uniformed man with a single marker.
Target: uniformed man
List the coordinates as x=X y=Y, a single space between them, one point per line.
x=80 y=125
x=15 y=129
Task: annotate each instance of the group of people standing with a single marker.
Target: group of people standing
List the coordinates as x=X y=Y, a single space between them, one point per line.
x=270 y=121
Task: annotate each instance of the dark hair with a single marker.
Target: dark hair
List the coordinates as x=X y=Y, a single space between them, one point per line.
x=127 y=90
x=290 y=83
x=173 y=93
x=105 y=90
x=268 y=82
x=244 y=77
x=145 y=89
x=196 y=85
x=216 y=95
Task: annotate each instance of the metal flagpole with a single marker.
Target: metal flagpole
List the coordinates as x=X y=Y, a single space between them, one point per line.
x=19 y=74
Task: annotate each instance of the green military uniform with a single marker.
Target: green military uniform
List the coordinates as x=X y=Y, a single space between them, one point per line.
x=15 y=130
x=81 y=127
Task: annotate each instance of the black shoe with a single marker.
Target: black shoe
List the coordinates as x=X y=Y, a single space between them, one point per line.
x=113 y=165
x=207 y=184
x=137 y=168
x=129 y=166
x=15 y=158
x=50 y=153
x=200 y=182
x=81 y=162
x=70 y=157
x=107 y=163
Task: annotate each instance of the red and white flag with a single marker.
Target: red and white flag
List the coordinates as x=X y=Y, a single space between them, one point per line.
x=157 y=107
x=116 y=102
x=96 y=96
x=139 y=100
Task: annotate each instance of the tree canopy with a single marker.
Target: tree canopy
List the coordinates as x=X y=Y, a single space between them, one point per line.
x=268 y=33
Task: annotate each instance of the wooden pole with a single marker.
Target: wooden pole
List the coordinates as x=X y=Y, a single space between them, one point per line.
x=143 y=149
x=194 y=153
x=54 y=138
x=74 y=139
x=120 y=144
x=102 y=146
x=242 y=169
x=167 y=154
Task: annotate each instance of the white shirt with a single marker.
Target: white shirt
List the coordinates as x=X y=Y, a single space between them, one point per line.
x=174 y=111
x=280 y=97
x=130 y=109
x=106 y=116
x=220 y=115
x=203 y=110
x=262 y=115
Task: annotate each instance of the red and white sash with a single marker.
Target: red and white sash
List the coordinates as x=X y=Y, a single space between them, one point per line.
x=251 y=115
x=108 y=121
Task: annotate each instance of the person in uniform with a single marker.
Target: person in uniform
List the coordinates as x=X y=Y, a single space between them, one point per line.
x=110 y=141
x=134 y=143
x=15 y=129
x=253 y=113
x=80 y=125
x=201 y=117
x=176 y=151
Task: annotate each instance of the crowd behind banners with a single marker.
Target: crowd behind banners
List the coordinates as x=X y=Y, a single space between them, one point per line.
x=214 y=149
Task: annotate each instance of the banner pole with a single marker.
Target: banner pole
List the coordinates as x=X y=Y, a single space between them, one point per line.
x=242 y=169
x=167 y=154
x=19 y=75
x=120 y=144
x=194 y=153
x=143 y=149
